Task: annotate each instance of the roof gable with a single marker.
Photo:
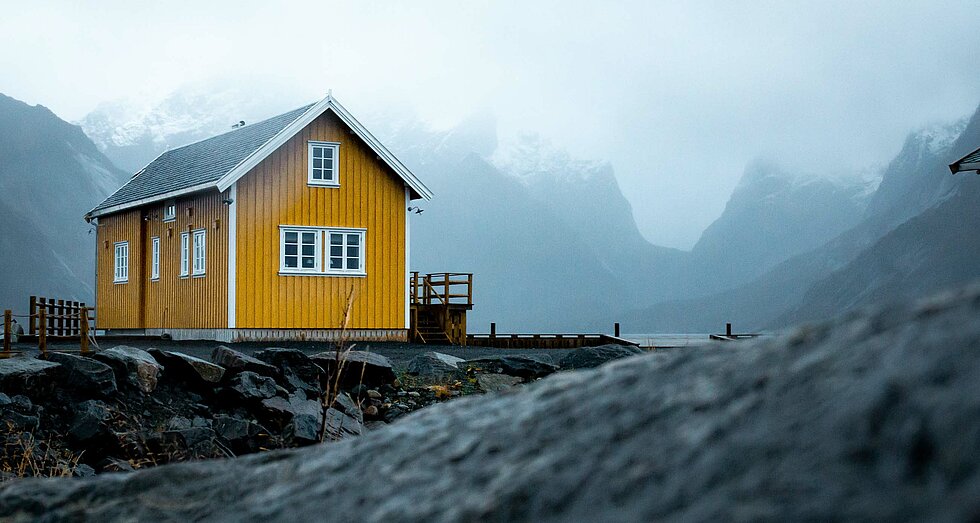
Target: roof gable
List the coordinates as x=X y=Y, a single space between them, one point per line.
x=218 y=162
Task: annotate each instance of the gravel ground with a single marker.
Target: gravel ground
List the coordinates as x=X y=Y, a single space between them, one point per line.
x=399 y=353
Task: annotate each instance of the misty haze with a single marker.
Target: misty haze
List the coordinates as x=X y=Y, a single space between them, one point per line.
x=406 y=242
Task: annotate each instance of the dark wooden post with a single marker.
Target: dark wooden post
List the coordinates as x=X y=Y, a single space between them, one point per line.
x=728 y=330
x=31 y=316
x=493 y=330
x=7 y=316
x=616 y=329
x=42 y=331
x=60 y=323
x=83 y=324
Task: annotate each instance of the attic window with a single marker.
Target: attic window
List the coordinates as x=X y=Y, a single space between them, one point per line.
x=170 y=211
x=324 y=158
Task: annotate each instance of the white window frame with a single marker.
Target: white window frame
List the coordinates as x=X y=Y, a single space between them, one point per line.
x=310 y=180
x=200 y=252
x=120 y=253
x=322 y=251
x=185 y=254
x=155 y=258
x=170 y=211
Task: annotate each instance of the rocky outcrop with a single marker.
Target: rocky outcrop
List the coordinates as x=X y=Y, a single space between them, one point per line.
x=133 y=366
x=873 y=417
x=434 y=364
x=83 y=375
x=526 y=367
x=591 y=357
x=357 y=368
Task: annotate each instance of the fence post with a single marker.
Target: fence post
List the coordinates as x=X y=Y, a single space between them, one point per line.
x=493 y=330
x=42 y=331
x=616 y=329
x=728 y=330
x=60 y=323
x=7 y=314
x=83 y=324
x=31 y=316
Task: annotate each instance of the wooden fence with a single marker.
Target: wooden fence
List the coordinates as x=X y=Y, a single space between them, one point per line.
x=51 y=320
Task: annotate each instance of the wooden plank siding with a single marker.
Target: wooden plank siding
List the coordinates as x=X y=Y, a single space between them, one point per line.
x=172 y=301
x=275 y=193
x=118 y=304
x=191 y=302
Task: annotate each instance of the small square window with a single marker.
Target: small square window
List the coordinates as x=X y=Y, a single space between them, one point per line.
x=170 y=211
x=323 y=162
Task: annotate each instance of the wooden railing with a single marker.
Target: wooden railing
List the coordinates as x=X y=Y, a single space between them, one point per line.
x=442 y=288
x=51 y=319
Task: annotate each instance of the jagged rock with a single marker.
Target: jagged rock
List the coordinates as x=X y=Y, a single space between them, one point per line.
x=5 y=400
x=234 y=361
x=82 y=470
x=496 y=382
x=23 y=375
x=116 y=465
x=359 y=368
x=194 y=438
x=303 y=429
x=84 y=375
x=345 y=404
x=590 y=357
x=249 y=386
x=298 y=370
x=525 y=367
x=237 y=432
x=341 y=426
x=434 y=365
x=133 y=366
x=283 y=410
x=89 y=422
x=187 y=368
x=872 y=418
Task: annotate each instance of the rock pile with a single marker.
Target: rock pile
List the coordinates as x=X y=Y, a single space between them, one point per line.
x=874 y=417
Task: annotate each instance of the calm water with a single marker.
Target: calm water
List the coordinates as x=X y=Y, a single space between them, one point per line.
x=667 y=340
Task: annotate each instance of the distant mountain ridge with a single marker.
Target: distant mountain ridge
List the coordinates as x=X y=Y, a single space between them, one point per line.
x=51 y=174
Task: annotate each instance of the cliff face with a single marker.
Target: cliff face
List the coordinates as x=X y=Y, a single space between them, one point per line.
x=51 y=174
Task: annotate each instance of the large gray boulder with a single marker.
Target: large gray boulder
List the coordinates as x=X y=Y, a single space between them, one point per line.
x=234 y=361
x=591 y=357
x=188 y=368
x=84 y=375
x=357 y=368
x=23 y=374
x=133 y=366
x=434 y=365
x=525 y=367
x=873 y=418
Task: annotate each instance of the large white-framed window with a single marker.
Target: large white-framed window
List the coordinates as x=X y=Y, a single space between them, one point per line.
x=324 y=163
x=185 y=254
x=200 y=252
x=321 y=251
x=154 y=258
x=121 y=266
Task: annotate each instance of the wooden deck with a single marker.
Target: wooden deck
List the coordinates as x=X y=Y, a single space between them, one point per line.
x=544 y=341
x=439 y=302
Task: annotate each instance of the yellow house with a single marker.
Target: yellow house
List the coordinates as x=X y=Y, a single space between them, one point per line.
x=262 y=233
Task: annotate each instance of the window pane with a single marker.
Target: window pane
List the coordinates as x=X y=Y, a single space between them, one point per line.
x=328 y=174
x=353 y=252
x=353 y=263
x=291 y=249
x=353 y=239
x=309 y=237
x=317 y=174
x=336 y=250
x=291 y=262
x=309 y=263
x=336 y=263
x=317 y=163
x=328 y=152
x=308 y=250
x=336 y=239
x=318 y=152
x=291 y=237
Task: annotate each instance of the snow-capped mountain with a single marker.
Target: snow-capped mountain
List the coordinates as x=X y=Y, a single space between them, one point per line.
x=132 y=132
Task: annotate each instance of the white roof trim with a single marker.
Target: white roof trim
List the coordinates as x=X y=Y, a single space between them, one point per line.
x=972 y=166
x=300 y=123
x=150 y=199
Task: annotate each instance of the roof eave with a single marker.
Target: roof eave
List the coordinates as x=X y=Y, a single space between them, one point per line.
x=962 y=167
x=112 y=209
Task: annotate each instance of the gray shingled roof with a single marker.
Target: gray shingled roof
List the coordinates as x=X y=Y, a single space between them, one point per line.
x=200 y=162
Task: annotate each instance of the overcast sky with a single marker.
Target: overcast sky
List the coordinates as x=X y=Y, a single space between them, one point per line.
x=679 y=96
